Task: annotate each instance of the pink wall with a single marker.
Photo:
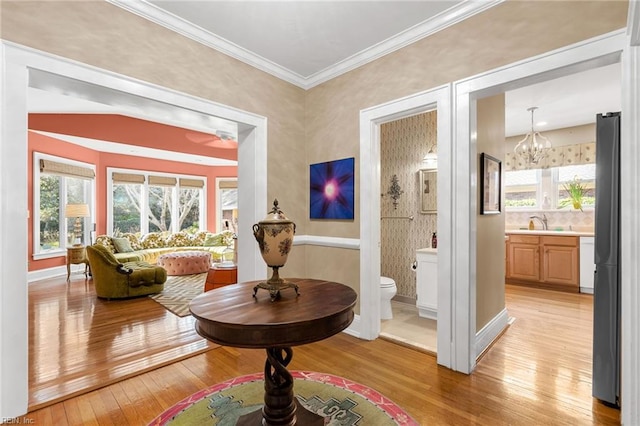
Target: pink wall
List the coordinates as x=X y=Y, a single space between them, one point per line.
x=52 y=146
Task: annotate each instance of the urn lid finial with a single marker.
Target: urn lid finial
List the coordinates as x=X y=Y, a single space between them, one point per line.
x=276 y=215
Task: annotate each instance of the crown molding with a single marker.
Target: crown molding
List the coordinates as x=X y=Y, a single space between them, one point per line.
x=172 y=22
x=419 y=31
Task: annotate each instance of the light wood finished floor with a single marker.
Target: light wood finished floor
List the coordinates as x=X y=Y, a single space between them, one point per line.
x=537 y=373
x=78 y=342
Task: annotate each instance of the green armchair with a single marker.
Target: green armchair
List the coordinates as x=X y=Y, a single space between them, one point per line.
x=115 y=280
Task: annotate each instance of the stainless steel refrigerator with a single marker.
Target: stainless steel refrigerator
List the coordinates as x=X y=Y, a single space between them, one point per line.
x=606 y=294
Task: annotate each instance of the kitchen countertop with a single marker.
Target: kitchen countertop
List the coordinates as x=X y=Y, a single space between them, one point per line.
x=549 y=232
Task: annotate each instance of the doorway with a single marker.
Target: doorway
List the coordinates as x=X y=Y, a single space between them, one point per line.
x=21 y=63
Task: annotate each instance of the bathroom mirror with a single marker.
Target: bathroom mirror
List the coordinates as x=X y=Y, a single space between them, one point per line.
x=428 y=191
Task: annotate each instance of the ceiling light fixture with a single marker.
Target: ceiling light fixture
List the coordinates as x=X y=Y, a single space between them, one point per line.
x=534 y=147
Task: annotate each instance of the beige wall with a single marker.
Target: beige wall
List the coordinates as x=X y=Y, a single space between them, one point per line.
x=322 y=123
x=490 y=256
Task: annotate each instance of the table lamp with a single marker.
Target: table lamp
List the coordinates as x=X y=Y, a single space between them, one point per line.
x=77 y=211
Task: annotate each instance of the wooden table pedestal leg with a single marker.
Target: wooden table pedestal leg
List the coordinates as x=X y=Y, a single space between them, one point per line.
x=280 y=407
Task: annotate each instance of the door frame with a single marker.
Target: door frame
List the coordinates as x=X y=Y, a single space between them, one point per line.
x=16 y=63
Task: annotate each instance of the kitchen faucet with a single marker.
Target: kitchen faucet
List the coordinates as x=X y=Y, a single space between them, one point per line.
x=542 y=220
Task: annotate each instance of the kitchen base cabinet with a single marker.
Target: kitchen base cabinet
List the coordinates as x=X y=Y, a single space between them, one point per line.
x=546 y=261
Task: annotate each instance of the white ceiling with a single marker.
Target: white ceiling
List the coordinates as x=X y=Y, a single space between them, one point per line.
x=308 y=42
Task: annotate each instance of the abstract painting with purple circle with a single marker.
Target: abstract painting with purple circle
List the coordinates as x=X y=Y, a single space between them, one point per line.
x=332 y=186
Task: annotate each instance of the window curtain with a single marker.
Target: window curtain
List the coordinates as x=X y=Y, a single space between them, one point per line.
x=568 y=155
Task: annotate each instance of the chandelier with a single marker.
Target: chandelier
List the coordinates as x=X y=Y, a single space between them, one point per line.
x=534 y=147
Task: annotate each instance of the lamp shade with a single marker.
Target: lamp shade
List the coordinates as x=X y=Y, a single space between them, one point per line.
x=76 y=210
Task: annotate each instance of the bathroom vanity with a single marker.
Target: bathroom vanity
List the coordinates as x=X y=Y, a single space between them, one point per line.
x=427 y=282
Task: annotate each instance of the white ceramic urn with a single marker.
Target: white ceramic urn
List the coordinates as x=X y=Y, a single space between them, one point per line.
x=274 y=235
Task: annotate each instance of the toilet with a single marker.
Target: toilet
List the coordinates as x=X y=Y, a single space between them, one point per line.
x=388 y=289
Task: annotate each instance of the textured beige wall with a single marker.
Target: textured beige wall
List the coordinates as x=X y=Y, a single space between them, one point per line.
x=108 y=37
x=335 y=264
x=490 y=256
x=322 y=123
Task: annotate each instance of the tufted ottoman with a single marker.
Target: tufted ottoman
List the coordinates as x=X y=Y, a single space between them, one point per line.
x=185 y=262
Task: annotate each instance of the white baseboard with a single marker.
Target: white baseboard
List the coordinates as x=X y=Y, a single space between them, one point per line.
x=429 y=313
x=587 y=290
x=491 y=331
x=355 y=328
x=43 y=274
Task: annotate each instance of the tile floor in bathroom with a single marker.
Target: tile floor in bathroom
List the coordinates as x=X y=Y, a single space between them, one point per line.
x=409 y=329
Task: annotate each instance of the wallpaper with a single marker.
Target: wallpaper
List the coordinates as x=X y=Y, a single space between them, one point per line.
x=403 y=144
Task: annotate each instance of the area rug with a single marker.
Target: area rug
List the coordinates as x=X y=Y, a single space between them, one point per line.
x=340 y=401
x=179 y=291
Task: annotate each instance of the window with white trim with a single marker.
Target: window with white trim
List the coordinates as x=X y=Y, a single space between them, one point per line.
x=145 y=202
x=547 y=188
x=57 y=183
x=227 y=202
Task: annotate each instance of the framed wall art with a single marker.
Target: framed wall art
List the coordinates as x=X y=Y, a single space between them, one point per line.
x=428 y=191
x=332 y=189
x=490 y=184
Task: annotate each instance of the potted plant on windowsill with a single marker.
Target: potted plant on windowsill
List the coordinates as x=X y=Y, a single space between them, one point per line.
x=576 y=192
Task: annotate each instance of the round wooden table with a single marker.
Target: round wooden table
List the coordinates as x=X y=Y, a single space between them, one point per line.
x=232 y=316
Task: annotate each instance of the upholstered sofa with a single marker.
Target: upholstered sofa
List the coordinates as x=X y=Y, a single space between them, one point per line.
x=147 y=248
x=116 y=280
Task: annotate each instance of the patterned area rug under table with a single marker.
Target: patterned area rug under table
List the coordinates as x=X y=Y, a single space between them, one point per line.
x=338 y=400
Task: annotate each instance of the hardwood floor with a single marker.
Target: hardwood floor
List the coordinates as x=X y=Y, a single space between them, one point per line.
x=78 y=342
x=538 y=372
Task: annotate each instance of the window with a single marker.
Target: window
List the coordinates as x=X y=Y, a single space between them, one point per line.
x=521 y=188
x=189 y=196
x=127 y=194
x=149 y=202
x=525 y=189
x=227 y=204
x=58 y=182
x=585 y=175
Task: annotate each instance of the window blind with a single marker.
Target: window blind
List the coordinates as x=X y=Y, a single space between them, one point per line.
x=228 y=184
x=162 y=181
x=191 y=183
x=127 y=178
x=54 y=167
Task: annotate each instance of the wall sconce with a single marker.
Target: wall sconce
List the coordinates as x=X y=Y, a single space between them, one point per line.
x=77 y=211
x=394 y=191
x=430 y=161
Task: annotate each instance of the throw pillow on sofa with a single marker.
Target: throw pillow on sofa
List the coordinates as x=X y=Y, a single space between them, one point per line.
x=133 y=240
x=199 y=238
x=122 y=245
x=213 y=240
x=153 y=240
x=179 y=239
x=105 y=240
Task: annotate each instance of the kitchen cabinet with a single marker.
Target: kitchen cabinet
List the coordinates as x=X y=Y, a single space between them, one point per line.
x=546 y=261
x=524 y=257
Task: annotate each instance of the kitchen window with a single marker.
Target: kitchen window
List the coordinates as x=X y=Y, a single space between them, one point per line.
x=543 y=189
